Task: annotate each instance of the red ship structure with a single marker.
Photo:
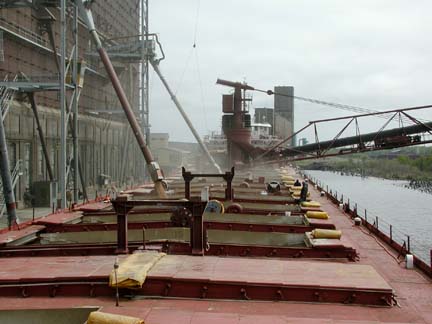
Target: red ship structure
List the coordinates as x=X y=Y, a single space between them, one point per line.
x=237 y=246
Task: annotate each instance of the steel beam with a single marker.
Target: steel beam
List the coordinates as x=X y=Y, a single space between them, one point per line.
x=8 y=192
x=75 y=108
x=90 y=227
x=41 y=136
x=63 y=112
x=63 y=250
x=220 y=249
x=181 y=248
x=145 y=77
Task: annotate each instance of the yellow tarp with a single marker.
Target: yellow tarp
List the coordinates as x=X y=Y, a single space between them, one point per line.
x=287 y=178
x=316 y=214
x=310 y=204
x=326 y=233
x=106 y=318
x=133 y=270
x=296 y=195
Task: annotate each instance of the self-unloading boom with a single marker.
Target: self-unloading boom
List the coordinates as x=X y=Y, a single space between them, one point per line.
x=356 y=140
x=153 y=166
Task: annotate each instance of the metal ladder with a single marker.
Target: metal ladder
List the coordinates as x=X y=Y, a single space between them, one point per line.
x=15 y=174
x=6 y=96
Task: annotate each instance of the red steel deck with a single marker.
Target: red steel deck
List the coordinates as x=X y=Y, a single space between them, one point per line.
x=412 y=288
x=203 y=277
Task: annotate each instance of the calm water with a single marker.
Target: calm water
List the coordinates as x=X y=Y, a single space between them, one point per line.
x=408 y=210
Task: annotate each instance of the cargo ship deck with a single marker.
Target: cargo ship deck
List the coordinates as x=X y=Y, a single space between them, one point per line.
x=231 y=287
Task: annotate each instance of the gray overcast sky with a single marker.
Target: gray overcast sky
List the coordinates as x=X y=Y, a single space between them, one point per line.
x=369 y=53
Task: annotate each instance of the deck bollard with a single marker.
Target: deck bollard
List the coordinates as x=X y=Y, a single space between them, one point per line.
x=409 y=244
x=391 y=233
x=409 y=261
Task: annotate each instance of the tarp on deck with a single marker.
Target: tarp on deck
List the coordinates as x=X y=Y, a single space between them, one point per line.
x=133 y=270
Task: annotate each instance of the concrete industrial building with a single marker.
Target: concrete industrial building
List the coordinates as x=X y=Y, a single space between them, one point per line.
x=284 y=112
x=106 y=145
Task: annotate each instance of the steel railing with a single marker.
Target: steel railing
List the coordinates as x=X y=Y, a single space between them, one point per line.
x=370 y=219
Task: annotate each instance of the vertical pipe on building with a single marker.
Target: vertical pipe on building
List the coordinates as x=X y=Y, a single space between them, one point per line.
x=63 y=143
x=8 y=193
x=147 y=77
x=145 y=70
x=75 y=107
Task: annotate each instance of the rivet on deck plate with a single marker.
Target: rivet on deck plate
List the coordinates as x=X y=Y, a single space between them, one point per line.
x=53 y=291
x=92 y=290
x=167 y=289
x=245 y=252
x=279 y=294
x=24 y=293
x=243 y=293
x=272 y=253
x=204 y=292
x=351 y=298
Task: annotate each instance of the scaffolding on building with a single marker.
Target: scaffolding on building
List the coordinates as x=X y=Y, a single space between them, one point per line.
x=69 y=81
x=66 y=82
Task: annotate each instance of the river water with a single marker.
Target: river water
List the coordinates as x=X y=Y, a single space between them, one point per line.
x=409 y=211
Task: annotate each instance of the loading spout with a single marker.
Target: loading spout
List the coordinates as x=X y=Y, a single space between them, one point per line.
x=153 y=167
x=185 y=117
